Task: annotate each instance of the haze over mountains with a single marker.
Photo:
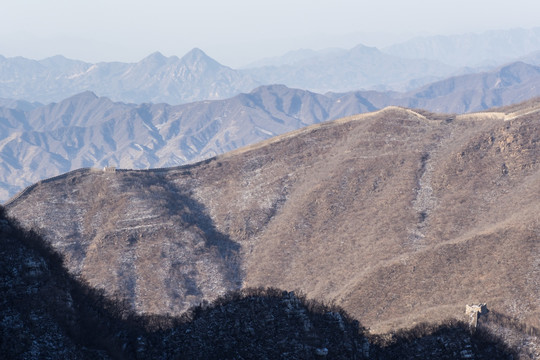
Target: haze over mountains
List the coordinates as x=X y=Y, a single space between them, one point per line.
x=156 y=78
x=84 y=130
x=361 y=67
x=196 y=76
x=87 y=131
x=490 y=48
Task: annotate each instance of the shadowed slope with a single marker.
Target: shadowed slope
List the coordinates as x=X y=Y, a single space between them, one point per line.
x=46 y=314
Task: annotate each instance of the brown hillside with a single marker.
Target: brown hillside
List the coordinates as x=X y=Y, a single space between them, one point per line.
x=398 y=216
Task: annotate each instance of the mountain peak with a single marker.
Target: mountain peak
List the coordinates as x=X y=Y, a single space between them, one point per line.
x=517 y=65
x=83 y=96
x=55 y=59
x=361 y=49
x=195 y=55
x=59 y=61
x=196 y=52
x=155 y=58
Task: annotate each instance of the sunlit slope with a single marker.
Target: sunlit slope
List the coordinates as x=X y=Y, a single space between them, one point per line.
x=398 y=216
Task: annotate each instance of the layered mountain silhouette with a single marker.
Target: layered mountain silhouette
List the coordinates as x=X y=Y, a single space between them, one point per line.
x=155 y=78
x=87 y=131
x=39 y=141
x=397 y=216
x=508 y=84
x=361 y=67
x=196 y=76
x=491 y=48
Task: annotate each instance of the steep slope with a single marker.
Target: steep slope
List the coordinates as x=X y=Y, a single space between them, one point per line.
x=155 y=78
x=398 y=216
x=46 y=314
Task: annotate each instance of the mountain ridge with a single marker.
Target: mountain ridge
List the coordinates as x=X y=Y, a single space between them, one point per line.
x=459 y=186
x=492 y=48
x=476 y=92
x=39 y=141
x=155 y=78
x=359 y=68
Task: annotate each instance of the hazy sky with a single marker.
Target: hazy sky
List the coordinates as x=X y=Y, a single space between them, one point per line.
x=236 y=32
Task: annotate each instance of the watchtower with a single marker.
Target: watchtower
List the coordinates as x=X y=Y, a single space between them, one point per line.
x=473 y=312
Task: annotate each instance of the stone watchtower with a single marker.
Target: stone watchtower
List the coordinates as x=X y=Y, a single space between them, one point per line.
x=473 y=312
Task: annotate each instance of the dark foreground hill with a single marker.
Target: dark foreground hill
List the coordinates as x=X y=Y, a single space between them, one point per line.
x=47 y=314
x=398 y=216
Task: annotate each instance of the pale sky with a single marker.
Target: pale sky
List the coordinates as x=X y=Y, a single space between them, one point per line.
x=236 y=32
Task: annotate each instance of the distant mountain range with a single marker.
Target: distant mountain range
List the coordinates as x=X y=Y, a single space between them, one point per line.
x=87 y=131
x=505 y=85
x=40 y=141
x=491 y=48
x=156 y=78
x=196 y=76
x=359 y=68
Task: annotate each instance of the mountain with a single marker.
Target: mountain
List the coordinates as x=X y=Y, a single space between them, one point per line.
x=89 y=131
x=361 y=67
x=196 y=76
x=40 y=141
x=492 y=48
x=512 y=83
x=532 y=58
x=47 y=314
x=18 y=104
x=155 y=78
x=397 y=216
x=293 y=57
